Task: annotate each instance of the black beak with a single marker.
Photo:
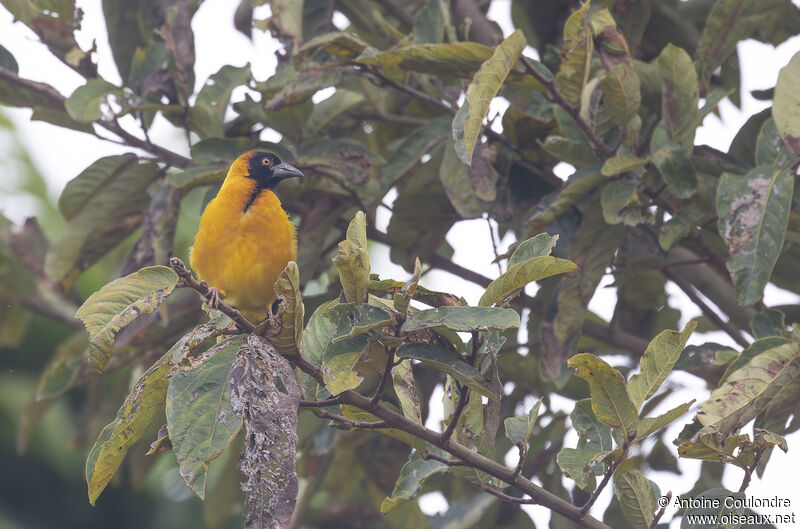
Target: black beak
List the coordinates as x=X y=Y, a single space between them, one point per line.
x=284 y=170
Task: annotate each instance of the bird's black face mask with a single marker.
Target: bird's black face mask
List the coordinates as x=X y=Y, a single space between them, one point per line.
x=268 y=170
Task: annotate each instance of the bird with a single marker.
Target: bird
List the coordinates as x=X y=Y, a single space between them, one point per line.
x=245 y=238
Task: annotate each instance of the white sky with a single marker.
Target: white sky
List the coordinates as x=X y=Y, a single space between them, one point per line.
x=218 y=43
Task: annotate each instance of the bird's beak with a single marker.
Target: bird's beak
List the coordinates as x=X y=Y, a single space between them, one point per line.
x=284 y=170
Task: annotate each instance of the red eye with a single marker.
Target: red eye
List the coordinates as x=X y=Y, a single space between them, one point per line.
x=266 y=161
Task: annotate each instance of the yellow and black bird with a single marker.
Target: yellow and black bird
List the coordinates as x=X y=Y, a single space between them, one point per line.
x=245 y=238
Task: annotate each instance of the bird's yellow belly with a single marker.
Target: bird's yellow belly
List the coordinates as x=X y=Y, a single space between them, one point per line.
x=243 y=255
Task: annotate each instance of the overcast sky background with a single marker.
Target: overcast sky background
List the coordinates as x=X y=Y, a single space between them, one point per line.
x=60 y=154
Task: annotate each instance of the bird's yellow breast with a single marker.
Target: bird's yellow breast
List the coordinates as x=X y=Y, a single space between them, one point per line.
x=242 y=249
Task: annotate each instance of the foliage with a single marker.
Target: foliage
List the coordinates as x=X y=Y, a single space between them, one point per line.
x=345 y=381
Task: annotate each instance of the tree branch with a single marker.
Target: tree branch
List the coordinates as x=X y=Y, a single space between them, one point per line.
x=54 y=99
x=689 y=290
x=505 y=497
x=598 y=144
x=190 y=282
x=606 y=478
x=344 y=421
x=427 y=455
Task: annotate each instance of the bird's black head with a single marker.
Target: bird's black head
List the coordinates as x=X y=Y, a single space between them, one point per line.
x=268 y=170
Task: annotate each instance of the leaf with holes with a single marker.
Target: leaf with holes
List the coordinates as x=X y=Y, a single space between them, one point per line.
x=120 y=302
x=200 y=419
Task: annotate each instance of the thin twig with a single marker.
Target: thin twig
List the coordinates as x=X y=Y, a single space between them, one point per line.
x=463 y=398
x=748 y=472
x=387 y=374
x=660 y=513
x=523 y=451
x=715 y=318
x=319 y=403
x=505 y=497
x=54 y=98
x=606 y=478
x=556 y=97
x=344 y=421
x=410 y=90
x=426 y=455
x=494 y=244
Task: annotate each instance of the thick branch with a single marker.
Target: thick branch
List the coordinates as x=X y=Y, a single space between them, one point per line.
x=190 y=282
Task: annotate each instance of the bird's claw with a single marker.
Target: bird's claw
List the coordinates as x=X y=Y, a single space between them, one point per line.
x=213 y=296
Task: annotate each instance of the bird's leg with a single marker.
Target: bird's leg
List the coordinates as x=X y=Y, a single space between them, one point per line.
x=213 y=296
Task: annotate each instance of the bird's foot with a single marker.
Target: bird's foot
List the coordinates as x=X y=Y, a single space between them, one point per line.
x=213 y=296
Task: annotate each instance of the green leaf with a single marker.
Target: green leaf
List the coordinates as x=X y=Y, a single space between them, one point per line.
x=522 y=273
x=460 y=181
x=768 y=322
x=657 y=362
x=200 y=419
x=208 y=112
x=412 y=476
x=141 y=406
x=468 y=121
x=63 y=369
x=682 y=222
x=339 y=44
x=577 y=465
x=287 y=289
x=749 y=389
x=770 y=149
x=709 y=447
x=102 y=205
x=786 y=104
x=520 y=429
x=610 y=401
x=620 y=201
x=406 y=390
x=726 y=25
x=580 y=184
x=8 y=61
x=577 y=53
x=327 y=111
x=673 y=162
x=679 y=95
x=622 y=163
x=594 y=436
x=429 y=23
x=84 y=103
x=462 y=319
x=622 y=98
x=651 y=425
x=120 y=302
x=537 y=246
x=352 y=260
x=594 y=248
x=636 y=496
x=459 y=59
x=753 y=214
x=316 y=337
x=408 y=154
x=446 y=362
x=717 y=504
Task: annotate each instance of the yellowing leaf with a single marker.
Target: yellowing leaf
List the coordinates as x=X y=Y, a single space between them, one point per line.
x=657 y=362
x=484 y=86
x=577 y=53
x=120 y=302
x=610 y=401
x=520 y=274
